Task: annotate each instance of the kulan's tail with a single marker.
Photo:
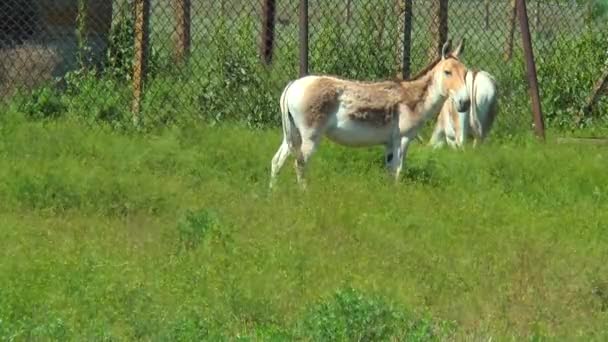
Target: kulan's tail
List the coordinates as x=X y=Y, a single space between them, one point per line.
x=290 y=131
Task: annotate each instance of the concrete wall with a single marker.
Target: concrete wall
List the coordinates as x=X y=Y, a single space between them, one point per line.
x=39 y=42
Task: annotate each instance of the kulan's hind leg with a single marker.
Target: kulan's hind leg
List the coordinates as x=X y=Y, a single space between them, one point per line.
x=277 y=162
x=303 y=154
x=438 y=137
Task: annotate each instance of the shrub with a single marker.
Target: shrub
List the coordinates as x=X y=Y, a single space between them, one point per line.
x=565 y=85
x=42 y=103
x=350 y=315
x=195 y=226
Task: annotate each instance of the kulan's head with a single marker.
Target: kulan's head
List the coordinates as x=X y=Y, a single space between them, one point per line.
x=451 y=73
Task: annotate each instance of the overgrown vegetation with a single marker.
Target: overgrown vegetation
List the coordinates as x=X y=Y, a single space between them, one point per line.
x=224 y=80
x=350 y=315
x=174 y=236
x=109 y=234
x=566 y=85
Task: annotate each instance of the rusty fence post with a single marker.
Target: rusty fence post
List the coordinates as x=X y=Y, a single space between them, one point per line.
x=182 y=10
x=142 y=24
x=303 y=38
x=406 y=44
x=539 y=125
x=439 y=27
x=267 y=39
x=511 y=33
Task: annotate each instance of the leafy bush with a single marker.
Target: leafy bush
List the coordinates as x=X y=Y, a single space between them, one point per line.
x=599 y=10
x=565 y=84
x=367 y=54
x=41 y=103
x=195 y=227
x=96 y=98
x=350 y=315
x=238 y=87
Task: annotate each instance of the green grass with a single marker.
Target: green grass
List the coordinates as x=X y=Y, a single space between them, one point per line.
x=174 y=236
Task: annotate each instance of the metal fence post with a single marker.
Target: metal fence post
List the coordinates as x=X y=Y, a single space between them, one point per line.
x=267 y=39
x=182 y=31
x=405 y=51
x=303 y=38
x=512 y=19
x=142 y=24
x=539 y=125
x=439 y=27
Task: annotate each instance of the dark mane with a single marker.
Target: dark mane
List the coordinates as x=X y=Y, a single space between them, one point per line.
x=395 y=80
x=360 y=81
x=428 y=68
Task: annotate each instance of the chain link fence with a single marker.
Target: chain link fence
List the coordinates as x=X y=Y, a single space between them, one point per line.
x=222 y=60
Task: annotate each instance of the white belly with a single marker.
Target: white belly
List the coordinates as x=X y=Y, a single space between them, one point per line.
x=357 y=134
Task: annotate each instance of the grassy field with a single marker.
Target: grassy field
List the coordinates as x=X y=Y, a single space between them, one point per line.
x=174 y=236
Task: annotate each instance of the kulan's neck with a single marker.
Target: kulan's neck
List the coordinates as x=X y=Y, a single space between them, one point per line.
x=423 y=96
x=434 y=100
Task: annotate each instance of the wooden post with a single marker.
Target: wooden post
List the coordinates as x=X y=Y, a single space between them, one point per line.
x=303 y=38
x=511 y=33
x=404 y=45
x=142 y=24
x=267 y=39
x=439 y=27
x=539 y=124
x=182 y=10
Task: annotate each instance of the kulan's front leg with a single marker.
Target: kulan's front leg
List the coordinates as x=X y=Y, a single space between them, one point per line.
x=437 y=138
x=397 y=154
x=404 y=145
x=393 y=159
x=394 y=154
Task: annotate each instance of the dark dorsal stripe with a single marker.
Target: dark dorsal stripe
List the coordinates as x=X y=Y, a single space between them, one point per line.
x=429 y=67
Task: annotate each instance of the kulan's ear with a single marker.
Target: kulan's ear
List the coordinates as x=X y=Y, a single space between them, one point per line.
x=446 y=48
x=459 y=49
